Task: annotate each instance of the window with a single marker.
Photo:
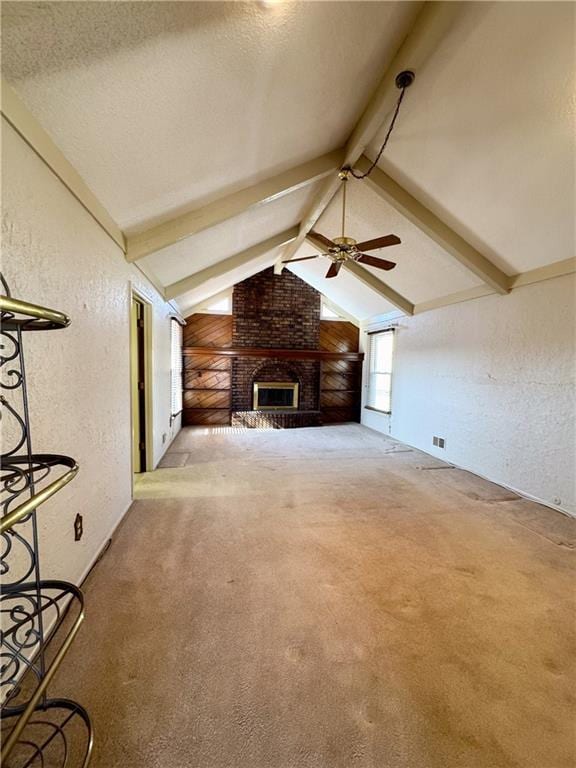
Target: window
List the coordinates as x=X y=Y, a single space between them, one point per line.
x=223 y=304
x=175 y=368
x=328 y=314
x=380 y=370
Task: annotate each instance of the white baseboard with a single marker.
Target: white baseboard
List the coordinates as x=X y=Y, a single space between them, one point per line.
x=523 y=494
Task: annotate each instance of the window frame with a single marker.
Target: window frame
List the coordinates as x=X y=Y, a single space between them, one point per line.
x=371 y=350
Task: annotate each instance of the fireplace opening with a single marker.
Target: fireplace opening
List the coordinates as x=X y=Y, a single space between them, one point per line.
x=275 y=395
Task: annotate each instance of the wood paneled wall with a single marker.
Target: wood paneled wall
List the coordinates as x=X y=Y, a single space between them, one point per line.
x=207 y=377
x=340 y=380
x=208 y=331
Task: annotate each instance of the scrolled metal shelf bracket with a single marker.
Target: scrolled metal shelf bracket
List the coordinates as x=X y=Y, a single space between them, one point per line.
x=32 y=608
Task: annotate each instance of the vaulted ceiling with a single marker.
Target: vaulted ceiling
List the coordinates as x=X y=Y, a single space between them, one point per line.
x=212 y=132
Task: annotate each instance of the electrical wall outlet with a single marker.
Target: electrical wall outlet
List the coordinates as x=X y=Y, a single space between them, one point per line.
x=78 y=527
x=163 y=438
x=439 y=442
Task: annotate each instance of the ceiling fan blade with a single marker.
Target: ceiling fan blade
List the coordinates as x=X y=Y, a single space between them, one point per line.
x=323 y=240
x=375 y=262
x=378 y=242
x=334 y=269
x=303 y=258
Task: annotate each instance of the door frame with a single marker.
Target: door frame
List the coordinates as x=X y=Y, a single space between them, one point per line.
x=136 y=295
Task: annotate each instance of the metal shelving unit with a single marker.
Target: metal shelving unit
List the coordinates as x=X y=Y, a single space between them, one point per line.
x=39 y=617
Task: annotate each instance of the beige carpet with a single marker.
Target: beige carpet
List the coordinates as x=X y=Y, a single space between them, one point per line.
x=327 y=598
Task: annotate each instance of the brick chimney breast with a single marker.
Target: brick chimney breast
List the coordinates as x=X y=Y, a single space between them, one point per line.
x=275 y=312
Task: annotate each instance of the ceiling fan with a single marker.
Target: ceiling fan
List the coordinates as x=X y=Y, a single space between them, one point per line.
x=343 y=249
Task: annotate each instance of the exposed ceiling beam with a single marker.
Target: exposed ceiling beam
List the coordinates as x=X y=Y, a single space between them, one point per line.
x=547 y=272
x=435 y=228
x=227 y=265
x=377 y=285
x=372 y=281
x=431 y=25
x=532 y=276
x=457 y=297
x=188 y=224
x=151 y=277
x=26 y=125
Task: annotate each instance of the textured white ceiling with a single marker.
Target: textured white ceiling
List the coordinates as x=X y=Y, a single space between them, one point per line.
x=486 y=136
x=162 y=105
x=222 y=283
x=228 y=238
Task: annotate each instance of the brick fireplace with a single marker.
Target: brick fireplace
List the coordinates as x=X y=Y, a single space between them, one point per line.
x=276 y=312
x=275 y=335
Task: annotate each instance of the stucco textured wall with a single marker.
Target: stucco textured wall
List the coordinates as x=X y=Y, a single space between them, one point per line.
x=55 y=254
x=495 y=377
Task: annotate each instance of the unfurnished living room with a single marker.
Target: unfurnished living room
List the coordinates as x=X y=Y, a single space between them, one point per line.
x=288 y=360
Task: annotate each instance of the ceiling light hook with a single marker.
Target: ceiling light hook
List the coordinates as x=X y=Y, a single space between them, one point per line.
x=405 y=79
x=344 y=173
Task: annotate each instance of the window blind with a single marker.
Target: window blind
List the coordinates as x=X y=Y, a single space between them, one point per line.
x=380 y=370
x=175 y=367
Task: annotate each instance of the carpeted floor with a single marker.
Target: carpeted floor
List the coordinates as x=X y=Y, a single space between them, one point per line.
x=327 y=598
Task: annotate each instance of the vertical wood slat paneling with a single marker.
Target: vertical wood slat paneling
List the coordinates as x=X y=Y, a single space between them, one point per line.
x=207 y=378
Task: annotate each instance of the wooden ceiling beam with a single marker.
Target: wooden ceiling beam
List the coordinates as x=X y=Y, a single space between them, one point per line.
x=532 y=276
x=435 y=228
x=29 y=129
x=431 y=25
x=379 y=287
x=227 y=265
x=188 y=224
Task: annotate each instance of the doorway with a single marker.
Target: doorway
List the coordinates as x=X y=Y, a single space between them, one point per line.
x=139 y=384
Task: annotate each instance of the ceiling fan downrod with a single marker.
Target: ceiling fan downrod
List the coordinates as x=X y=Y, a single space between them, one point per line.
x=343 y=240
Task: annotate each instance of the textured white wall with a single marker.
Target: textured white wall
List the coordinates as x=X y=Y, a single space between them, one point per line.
x=495 y=377
x=54 y=253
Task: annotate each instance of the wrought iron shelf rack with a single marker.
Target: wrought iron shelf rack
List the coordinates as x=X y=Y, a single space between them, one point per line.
x=40 y=617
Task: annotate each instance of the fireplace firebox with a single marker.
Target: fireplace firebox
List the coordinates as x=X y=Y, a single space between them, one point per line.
x=275 y=395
